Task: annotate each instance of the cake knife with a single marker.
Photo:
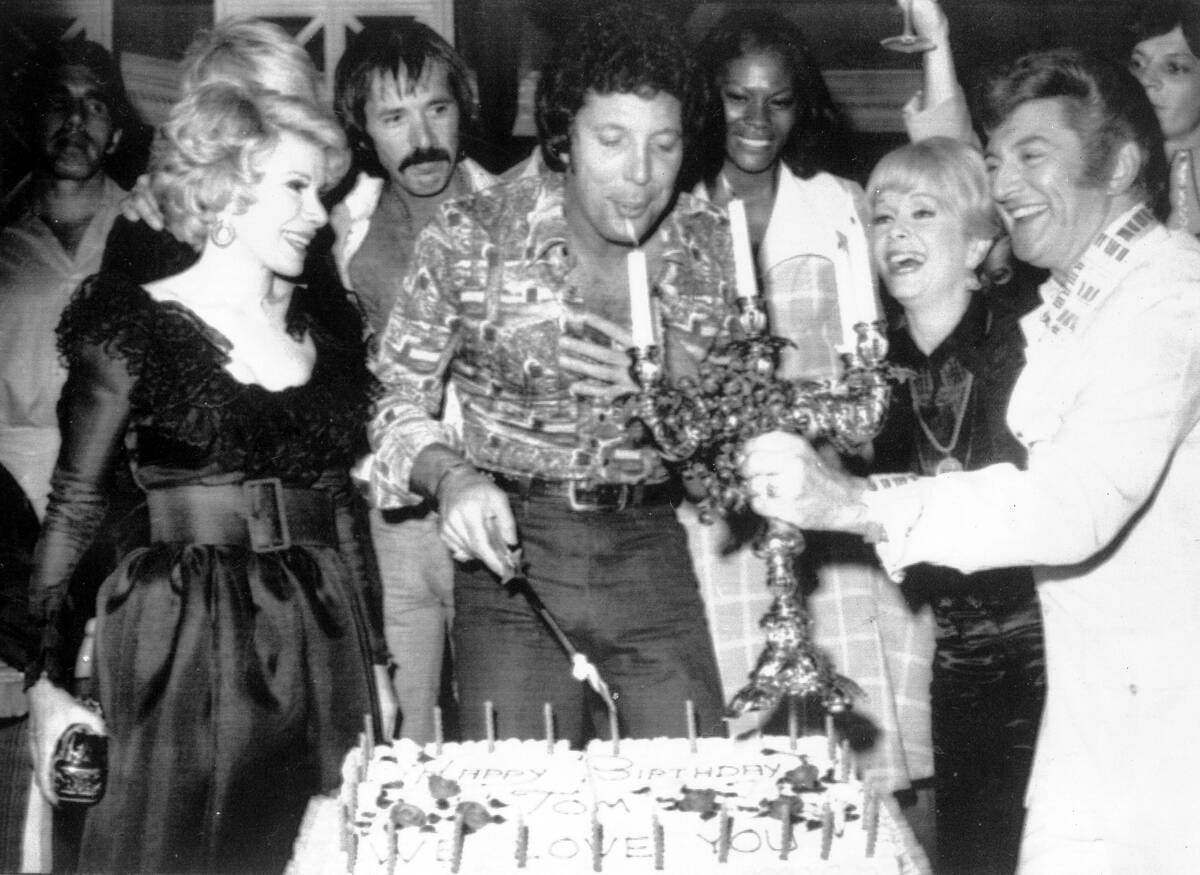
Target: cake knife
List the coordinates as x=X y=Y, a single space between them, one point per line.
x=582 y=668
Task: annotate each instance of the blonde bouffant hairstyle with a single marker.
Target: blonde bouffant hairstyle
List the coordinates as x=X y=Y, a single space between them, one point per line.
x=207 y=154
x=253 y=53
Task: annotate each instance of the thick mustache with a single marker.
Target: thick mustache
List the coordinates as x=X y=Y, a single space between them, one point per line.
x=424 y=156
x=78 y=139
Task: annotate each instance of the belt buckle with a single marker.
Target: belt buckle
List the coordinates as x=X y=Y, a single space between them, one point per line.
x=266 y=515
x=587 y=498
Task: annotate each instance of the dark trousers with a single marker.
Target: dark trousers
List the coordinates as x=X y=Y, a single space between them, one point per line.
x=989 y=684
x=621 y=585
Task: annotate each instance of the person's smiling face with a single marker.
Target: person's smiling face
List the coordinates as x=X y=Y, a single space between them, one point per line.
x=626 y=151
x=277 y=228
x=921 y=248
x=760 y=110
x=1170 y=73
x=1036 y=162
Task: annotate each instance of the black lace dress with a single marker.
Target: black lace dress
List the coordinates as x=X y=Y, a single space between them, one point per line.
x=232 y=682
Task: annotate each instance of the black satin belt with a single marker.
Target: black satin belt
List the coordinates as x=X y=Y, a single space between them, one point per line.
x=260 y=514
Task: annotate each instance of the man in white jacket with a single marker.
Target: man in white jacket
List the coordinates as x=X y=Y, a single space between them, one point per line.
x=1108 y=405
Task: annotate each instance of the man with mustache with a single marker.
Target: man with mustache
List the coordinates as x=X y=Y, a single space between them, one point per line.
x=519 y=299
x=77 y=111
x=404 y=96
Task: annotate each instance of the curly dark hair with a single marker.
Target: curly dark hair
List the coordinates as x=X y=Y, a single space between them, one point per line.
x=40 y=75
x=617 y=49
x=1105 y=105
x=817 y=140
x=387 y=49
x=1159 y=17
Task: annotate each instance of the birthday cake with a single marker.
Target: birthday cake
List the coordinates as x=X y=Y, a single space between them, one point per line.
x=761 y=805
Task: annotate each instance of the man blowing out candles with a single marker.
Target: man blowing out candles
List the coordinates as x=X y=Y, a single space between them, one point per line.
x=520 y=297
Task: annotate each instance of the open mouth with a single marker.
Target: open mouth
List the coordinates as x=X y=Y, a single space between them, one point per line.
x=755 y=142
x=1029 y=211
x=904 y=262
x=628 y=210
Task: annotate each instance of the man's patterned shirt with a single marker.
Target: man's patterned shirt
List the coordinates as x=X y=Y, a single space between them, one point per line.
x=488 y=295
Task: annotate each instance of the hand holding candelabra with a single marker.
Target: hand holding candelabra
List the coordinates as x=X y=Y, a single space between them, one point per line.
x=702 y=424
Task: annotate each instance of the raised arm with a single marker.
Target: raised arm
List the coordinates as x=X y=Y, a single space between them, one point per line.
x=940 y=108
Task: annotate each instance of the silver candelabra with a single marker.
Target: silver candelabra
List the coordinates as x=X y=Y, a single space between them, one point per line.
x=702 y=424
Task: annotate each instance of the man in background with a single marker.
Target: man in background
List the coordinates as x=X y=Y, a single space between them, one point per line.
x=53 y=237
x=77 y=110
x=404 y=97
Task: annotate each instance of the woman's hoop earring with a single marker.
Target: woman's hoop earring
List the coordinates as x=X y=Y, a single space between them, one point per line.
x=221 y=234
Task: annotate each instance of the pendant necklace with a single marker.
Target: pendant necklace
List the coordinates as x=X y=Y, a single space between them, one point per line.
x=947 y=464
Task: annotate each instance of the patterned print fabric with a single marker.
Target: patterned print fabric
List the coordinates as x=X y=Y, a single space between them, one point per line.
x=491 y=289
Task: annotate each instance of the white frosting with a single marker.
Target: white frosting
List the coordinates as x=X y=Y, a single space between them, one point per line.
x=568 y=804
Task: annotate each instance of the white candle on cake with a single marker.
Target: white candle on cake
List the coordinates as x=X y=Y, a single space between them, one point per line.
x=597 y=841
x=522 y=853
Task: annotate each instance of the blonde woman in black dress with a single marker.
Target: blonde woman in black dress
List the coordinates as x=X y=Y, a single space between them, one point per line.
x=237 y=654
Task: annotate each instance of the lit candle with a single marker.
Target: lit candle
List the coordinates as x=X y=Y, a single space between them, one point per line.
x=548 y=720
x=369 y=733
x=640 y=312
x=690 y=708
x=614 y=729
x=743 y=256
x=437 y=730
x=830 y=739
x=489 y=725
x=793 y=722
